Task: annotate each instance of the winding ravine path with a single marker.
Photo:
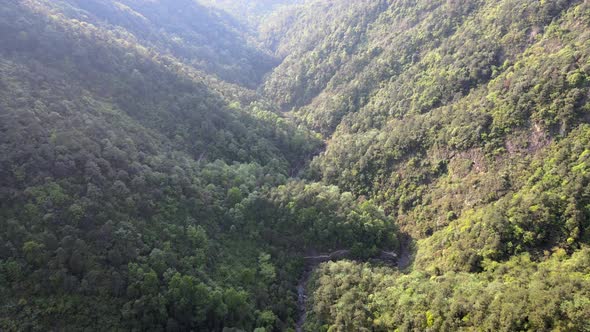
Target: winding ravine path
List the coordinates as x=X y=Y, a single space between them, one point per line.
x=311 y=262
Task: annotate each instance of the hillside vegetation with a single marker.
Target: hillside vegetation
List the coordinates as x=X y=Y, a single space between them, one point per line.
x=167 y=165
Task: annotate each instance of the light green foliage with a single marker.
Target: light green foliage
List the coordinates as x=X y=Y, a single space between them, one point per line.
x=266 y=269
x=516 y=295
x=166 y=165
x=466 y=125
x=33 y=252
x=549 y=211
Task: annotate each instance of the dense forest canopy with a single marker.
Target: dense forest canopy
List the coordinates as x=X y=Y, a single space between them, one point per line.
x=301 y=165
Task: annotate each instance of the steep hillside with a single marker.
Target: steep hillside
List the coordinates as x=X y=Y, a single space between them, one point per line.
x=169 y=165
x=483 y=86
x=123 y=172
x=207 y=39
x=253 y=13
x=467 y=122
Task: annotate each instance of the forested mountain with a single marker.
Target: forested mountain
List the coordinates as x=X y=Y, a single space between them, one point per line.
x=252 y=12
x=204 y=38
x=189 y=165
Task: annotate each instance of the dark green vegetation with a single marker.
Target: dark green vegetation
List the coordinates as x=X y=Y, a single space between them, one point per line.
x=166 y=165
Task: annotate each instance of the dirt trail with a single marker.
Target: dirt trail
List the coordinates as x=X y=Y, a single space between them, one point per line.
x=311 y=262
x=302 y=300
x=405 y=253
